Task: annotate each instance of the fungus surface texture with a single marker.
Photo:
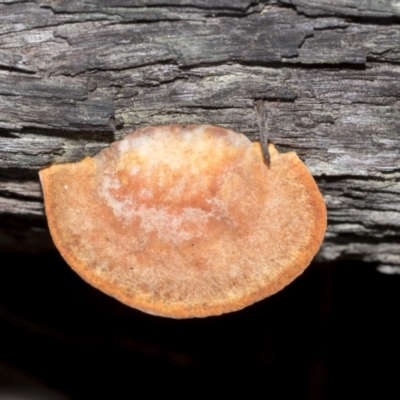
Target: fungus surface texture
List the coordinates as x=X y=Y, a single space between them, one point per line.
x=185 y=221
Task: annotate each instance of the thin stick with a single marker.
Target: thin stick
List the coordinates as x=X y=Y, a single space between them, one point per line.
x=262 y=124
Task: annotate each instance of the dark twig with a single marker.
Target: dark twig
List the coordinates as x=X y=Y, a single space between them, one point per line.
x=262 y=123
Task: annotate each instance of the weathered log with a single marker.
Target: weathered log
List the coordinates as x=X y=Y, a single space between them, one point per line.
x=76 y=75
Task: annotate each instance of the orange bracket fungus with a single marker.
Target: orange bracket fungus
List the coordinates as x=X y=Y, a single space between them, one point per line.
x=185 y=221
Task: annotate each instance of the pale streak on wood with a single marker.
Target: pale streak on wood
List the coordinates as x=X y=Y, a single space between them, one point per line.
x=355 y=8
x=75 y=76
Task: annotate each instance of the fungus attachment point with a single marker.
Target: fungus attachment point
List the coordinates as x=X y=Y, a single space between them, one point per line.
x=185 y=221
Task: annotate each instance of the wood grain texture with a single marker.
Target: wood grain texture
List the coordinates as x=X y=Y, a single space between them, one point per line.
x=75 y=76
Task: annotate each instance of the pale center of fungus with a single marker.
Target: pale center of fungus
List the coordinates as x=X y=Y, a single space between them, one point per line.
x=172 y=185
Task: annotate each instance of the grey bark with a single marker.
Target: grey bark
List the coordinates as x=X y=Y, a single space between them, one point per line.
x=76 y=75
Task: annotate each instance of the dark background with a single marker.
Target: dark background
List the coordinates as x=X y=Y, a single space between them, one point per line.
x=331 y=334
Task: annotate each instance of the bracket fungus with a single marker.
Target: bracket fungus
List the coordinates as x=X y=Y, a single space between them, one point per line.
x=185 y=221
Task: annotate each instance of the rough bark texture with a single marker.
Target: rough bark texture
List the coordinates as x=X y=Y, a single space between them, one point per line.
x=76 y=75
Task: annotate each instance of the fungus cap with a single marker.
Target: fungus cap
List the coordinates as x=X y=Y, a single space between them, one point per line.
x=185 y=221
